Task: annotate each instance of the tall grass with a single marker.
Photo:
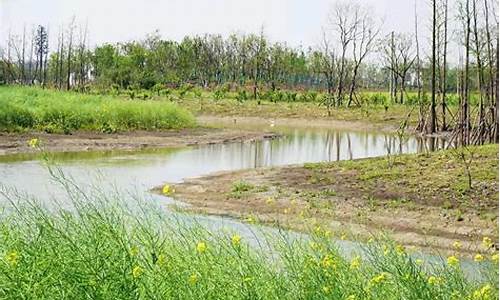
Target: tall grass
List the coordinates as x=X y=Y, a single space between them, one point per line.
x=55 y=111
x=111 y=246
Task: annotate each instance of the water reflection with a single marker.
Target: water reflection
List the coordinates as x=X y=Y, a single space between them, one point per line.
x=148 y=168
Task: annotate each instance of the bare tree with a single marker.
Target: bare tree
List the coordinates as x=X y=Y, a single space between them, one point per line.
x=398 y=55
x=365 y=34
x=344 y=19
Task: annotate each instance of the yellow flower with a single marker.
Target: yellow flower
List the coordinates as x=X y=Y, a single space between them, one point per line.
x=167 y=190
x=487 y=242
x=379 y=278
x=453 y=261
x=162 y=260
x=193 y=279
x=351 y=297
x=201 y=247
x=343 y=236
x=12 y=258
x=457 y=245
x=314 y=245
x=250 y=219
x=134 y=251
x=400 y=249
x=478 y=258
x=285 y=211
x=355 y=262
x=494 y=258
x=235 y=240
x=270 y=200
x=326 y=289
x=136 y=271
x=419 y=262
x=34 y=143
x=328 y=261
x=482 y=293
x=433 y=280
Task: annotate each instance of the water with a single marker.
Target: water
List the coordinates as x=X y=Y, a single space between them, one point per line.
x=140 y=171
x=146 y=169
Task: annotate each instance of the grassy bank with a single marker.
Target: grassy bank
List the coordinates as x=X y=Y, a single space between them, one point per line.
x=23 y=108
x=101 y=250
x=423 y=199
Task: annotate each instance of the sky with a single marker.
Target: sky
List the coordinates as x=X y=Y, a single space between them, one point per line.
x=296 y=22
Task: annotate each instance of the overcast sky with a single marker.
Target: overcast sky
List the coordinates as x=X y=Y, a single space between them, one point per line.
x=297 y=22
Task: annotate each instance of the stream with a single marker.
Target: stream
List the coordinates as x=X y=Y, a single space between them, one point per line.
x=142 y=170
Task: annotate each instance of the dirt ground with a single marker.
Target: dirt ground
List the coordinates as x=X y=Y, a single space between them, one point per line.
x=286 y=196
x=82 y=141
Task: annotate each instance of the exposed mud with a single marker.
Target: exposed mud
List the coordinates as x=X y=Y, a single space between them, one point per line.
x=84 y=141
x=284 y=196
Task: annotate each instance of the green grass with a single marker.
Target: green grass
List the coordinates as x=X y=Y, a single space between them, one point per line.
x=24 y=108
x=100 y=249
x=436 y=178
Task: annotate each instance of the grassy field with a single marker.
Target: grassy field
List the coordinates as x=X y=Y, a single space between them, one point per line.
x=101 y=250
x=23 y=108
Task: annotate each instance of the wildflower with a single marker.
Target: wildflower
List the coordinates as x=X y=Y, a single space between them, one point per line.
x=355 y=262
x=386 y=250
x=343 y=236
x=433 y=280
x=193 y=279
x=328 y=261
x=487 y=242
x=314 y=245
x=285 y=211
x=201 y=247
x=12 y=258
x=419 y=262
x=134 y=251
x=494 y=258
x=162 y=259
x=453 y=261
x=326 y=289
x=379 y=278
x=34 y=143
x=136 y=271
x=270 y=201
x=457 y=245
x=235 y=240
x=167 y=190
x=250 y=219
x=478 y=258
x=400 y=249
x=482 y=293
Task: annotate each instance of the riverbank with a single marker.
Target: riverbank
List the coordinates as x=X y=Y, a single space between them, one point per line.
x=422 y=200
x=87 y=141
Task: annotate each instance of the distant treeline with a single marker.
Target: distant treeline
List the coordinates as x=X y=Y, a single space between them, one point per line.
x=339 y=65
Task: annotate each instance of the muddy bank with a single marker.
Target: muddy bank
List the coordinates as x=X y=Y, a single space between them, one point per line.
x=338 y=197
x=83 y=141
x=271 y=122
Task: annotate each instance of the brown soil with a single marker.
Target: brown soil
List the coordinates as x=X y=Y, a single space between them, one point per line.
x=85 y=141
x=301 y=204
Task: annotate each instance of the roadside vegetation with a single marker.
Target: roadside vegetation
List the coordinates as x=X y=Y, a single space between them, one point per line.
x=29 y=108
x=100 y=247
